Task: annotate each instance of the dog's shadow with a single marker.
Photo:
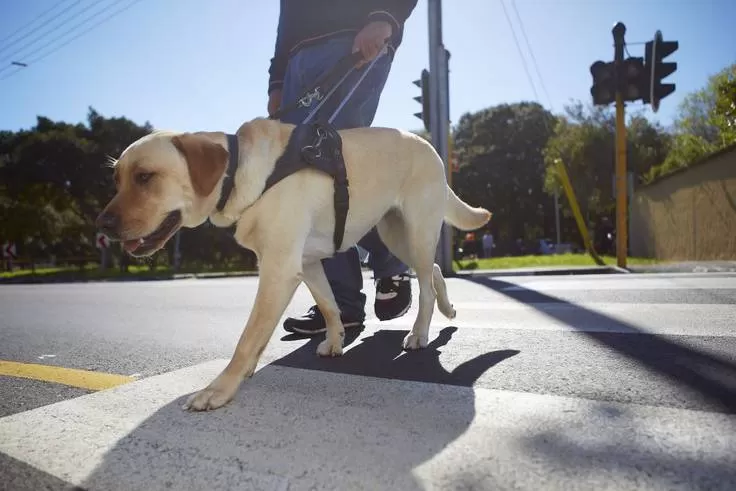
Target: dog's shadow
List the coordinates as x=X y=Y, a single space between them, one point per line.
x=305 y=422
x=381 y=355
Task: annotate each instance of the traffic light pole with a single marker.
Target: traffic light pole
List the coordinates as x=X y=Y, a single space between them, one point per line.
x=619 y=30
x=440 y=116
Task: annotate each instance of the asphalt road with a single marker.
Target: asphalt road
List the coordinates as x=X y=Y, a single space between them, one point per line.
x=554 y=382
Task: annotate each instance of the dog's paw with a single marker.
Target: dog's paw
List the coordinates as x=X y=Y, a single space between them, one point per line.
x=414 y=341
x=328 y=348
x=209 y=398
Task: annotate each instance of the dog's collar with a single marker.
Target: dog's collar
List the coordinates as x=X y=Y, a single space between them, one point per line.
x=232 y=166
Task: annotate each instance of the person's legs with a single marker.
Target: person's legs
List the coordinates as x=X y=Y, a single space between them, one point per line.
x=343 y=271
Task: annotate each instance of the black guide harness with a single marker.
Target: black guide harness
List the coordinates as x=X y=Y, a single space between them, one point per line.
x=316 y=145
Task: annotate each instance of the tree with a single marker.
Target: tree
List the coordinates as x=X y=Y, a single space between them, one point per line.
x=584 y=139
x=706 y=123
x=55 y=178
x=502 y=167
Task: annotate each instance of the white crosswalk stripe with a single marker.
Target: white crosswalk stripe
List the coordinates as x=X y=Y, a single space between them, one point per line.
x=653 y=318
x=536 y=385
x=295 y=429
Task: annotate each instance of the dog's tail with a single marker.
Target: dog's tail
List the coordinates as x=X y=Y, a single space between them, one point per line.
x=461 y=215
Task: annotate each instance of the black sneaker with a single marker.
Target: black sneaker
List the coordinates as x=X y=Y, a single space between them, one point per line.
x=393 y=296
x=313 y=322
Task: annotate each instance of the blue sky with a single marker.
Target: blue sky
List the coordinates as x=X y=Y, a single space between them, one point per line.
x=203 y=65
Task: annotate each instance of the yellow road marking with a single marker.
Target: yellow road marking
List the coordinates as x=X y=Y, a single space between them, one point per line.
x=83 y=379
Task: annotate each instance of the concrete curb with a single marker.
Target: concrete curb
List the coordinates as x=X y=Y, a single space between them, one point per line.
x=688 y=267
x=547 y=271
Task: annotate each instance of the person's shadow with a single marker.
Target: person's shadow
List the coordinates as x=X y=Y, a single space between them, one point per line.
x=305 y=422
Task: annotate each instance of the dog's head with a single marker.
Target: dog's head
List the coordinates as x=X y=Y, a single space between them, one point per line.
x=164 y=181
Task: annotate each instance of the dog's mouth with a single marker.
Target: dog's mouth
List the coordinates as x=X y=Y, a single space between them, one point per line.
x=145 y=246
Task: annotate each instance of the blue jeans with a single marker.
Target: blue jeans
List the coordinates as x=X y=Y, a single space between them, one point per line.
x=304 y=69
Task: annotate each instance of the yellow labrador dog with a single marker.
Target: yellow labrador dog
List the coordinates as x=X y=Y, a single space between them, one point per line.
x=169 y=180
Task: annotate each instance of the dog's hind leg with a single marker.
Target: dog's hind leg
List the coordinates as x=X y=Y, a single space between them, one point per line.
x=414 y=241
x=316 y=281
x=279 y=278
x=392 y=231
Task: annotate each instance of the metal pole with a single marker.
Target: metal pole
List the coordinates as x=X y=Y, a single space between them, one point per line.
x=619 y=30
x=629 y=204
x=557 y=217
x=439 y=116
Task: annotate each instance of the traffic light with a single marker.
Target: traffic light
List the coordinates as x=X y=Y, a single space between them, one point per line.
x=656 y=69
x=604 y=83
x=423 y=83
x=632 y=79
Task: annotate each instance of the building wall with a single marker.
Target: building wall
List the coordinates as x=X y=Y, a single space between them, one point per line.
x=688 y=215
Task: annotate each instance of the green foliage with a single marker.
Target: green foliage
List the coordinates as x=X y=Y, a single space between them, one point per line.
x=706 y=123
x=725 y=108
x=584 y=139
x=502 y=167
x=55 y=180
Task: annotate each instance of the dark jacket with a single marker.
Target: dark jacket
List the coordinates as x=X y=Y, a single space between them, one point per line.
x=305 y=22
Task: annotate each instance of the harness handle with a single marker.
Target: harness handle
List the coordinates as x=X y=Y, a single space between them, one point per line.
x=343 y=67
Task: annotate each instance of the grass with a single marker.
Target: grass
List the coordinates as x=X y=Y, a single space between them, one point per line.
x=92 y=272
x=90 y=269
x=558 y=260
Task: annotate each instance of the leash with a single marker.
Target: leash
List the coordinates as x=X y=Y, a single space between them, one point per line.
x=312 y=144
x=341 y=71
x=325 y=87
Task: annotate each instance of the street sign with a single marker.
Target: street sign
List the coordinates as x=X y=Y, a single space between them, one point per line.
x=9 y=251
x=102 y=241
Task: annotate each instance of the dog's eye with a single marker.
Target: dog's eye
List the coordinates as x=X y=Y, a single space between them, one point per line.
x=143 y=177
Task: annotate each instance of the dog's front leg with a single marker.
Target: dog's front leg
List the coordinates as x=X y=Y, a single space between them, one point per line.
x=316 y=281
x=278 y=281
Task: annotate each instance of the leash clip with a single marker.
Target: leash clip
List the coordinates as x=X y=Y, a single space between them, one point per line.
x=314 y=151
x=307 y=99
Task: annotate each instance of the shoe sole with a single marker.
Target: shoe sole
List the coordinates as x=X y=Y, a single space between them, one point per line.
x=318 y=331
x=403 y=312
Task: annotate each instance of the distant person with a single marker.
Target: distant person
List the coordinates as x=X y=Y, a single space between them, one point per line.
x=487 y=244
x=312 y=36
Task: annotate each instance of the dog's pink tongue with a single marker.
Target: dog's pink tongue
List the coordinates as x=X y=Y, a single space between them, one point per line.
x=131 y=245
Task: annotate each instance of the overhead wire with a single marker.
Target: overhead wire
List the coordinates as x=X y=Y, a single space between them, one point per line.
x=72 y=39
x=4 y=48
x=19 y=55
x=39 y=16
x=531 y=53
x=518 y=48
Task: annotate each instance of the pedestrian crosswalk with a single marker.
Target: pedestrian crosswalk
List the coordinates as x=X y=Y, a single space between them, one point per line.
x=544 y=386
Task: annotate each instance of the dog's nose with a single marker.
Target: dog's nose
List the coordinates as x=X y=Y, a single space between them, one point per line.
x=108 y=222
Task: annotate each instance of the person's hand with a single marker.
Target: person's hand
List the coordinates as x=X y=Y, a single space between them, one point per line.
x=274 y=101
x=371 y=40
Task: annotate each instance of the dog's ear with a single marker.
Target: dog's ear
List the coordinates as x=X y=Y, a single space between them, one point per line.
x=206 y=161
